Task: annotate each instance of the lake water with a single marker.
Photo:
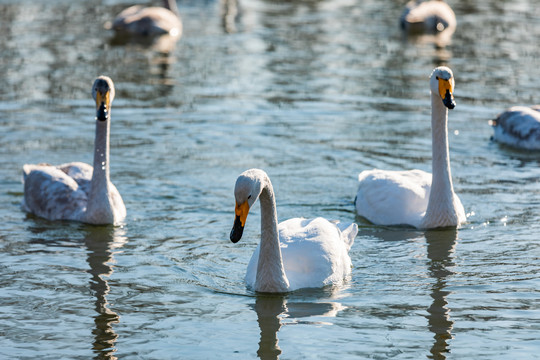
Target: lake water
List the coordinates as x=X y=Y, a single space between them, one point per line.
x=311 y=91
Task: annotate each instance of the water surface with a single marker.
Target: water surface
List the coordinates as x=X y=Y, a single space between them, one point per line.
x=311 y=91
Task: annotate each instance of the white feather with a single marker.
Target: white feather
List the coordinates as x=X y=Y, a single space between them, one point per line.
x=297 y=253
x=149 y=21
x=77 y=191
x=518 y=127
x=315 y=253
x=416 y=198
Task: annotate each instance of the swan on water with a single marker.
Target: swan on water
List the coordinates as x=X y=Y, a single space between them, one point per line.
x=417 y=198
x=77 y=191
x=428 y=17
x=144 y=21
x=519 y=127
x=294 y=254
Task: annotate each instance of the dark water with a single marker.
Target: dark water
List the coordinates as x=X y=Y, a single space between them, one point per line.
x=311 y=91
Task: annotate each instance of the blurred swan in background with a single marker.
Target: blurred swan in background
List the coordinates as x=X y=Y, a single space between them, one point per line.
x=297 y=253
x=143 y=21
x=432 y=19
x=415 y=197
x=77 y=191
x=519 y=127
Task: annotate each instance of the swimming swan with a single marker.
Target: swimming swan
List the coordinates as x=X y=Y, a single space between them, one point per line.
x=415 y=197
x=76 y=191
x=428 y=17
x=518 y=127
x=138 y=20
x=297 y=253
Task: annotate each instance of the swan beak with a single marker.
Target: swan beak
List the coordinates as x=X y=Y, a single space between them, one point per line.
x=102 y=105
x=241 y=211
x=446 y=91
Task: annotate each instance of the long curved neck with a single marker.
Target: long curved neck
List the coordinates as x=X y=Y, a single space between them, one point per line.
x=270 y=271
x=441 y=209
x=99 y=208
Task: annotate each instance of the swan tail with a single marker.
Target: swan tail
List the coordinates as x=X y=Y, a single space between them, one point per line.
x=348 y=233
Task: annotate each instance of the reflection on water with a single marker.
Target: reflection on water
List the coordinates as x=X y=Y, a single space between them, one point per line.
x=441 y=245
x=273 y=309
x=269 y=310
x=440 y=249
x=102 y=243
x=229 y=14
x=441 y=54
x=313 y=91
x=387 y=233
x=164 y=44
x=440 y=40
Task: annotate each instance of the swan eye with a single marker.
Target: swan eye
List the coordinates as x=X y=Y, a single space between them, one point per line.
x=436 y=77
x=249 y=197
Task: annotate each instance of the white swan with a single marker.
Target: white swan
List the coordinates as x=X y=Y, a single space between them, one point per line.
x=417 y=198
x=138 y=20
x=297 y=253
x=428 y=17
x=518 y=127
x=76 y=191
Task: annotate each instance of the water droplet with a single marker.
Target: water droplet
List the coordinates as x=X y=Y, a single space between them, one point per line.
x=456 y=132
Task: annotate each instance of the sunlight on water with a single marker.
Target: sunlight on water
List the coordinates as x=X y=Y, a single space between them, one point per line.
x=311 y=91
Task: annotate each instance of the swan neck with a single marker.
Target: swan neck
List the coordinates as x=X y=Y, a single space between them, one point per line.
x=101 y=152
x=441 y=199
x=439 y=143
x=99 y=209
x=270 y=271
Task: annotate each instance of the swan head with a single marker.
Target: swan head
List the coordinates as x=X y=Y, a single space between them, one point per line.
x=248 y=187
x=103 y=94
x=442 y=84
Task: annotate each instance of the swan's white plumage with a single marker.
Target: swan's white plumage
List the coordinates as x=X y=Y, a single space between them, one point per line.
x=138 y=20
x=315 y=253
x=297 y=253
x=52 y=194
x=430 y=17
x=381 y=193
x=71 y=191
x=61 y=192
x=519 y=127
x=416 y=198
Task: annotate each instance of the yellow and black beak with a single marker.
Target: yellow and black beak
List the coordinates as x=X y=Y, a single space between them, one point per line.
x=241 y=212
x=446 y=91
x=103 y=104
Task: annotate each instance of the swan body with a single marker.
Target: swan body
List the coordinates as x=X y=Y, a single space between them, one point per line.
x=149 y=21
x=417 y=198
x=428 y=17
x=77 y=191
x=297 y=253
x=405 y=205
x=519 y=127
